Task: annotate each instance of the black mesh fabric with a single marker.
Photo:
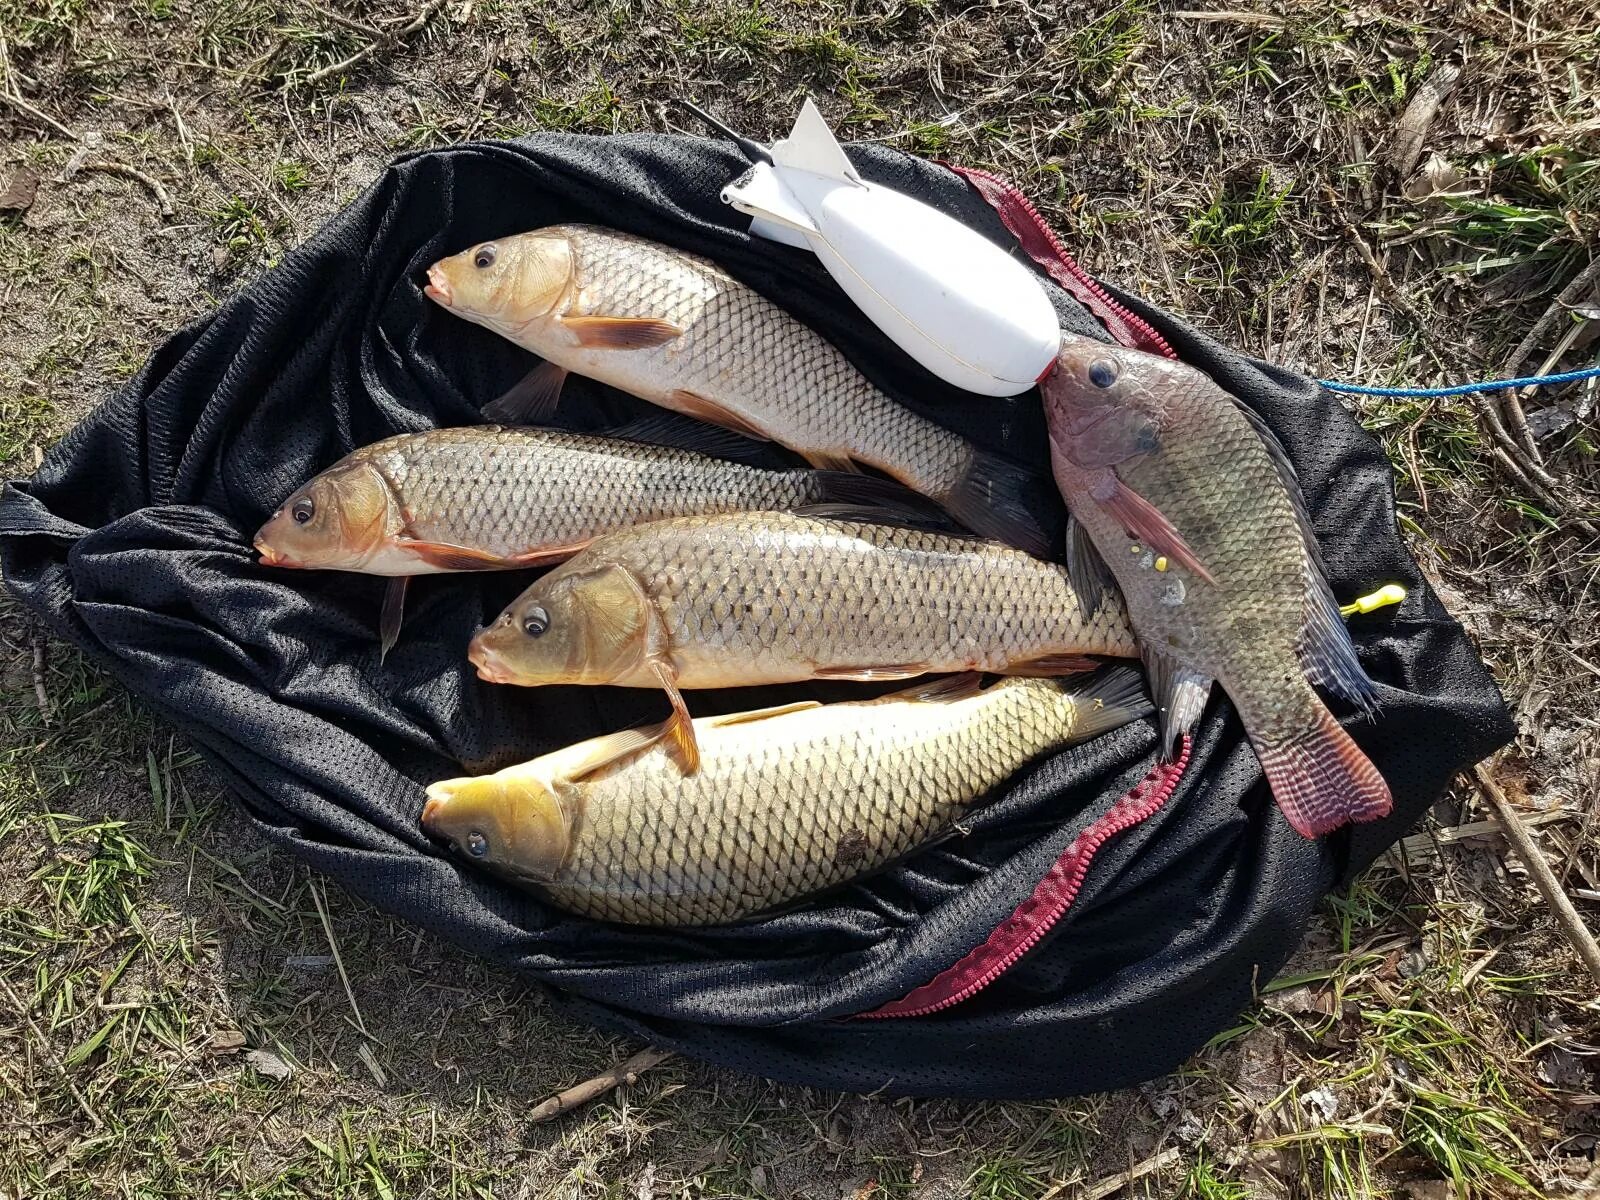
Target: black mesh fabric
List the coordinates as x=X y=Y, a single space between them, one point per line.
x=132 y=541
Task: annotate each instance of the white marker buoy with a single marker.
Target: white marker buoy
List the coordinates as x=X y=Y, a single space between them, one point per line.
x=953 y=300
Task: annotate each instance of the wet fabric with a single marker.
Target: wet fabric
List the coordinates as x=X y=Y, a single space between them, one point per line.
x=132 y=541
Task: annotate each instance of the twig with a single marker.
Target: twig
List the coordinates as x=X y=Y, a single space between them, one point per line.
x=1112 y=1184
x=582 y=1093
x=44 y=1052
x=39 y=693
x=1577 y=933
x=21 y=105
x=1509 y=403
x=424 y=15
x=327 y=928
x=1266 y=20
x=163 y=201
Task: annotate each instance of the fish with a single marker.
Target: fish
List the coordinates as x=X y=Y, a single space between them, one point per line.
x=1184 y=500
x=678 y=331
x=788 y=801
x=487 y=498
x=742 y=599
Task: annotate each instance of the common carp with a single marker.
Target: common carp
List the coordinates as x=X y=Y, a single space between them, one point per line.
x=1185 y=498
x=769 y=597
x=483 y=498
x=679 y=331
x=787 y=801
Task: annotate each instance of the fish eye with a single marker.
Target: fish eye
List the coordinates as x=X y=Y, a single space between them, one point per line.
x=484 y=258
x=303 y=510
x=477 y=844
x=536 y=622
x=1102 y=372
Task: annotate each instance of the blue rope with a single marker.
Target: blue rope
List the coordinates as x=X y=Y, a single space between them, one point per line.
x=1464 y=389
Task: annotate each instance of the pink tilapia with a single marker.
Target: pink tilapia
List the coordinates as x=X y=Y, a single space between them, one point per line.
x=1189 y=501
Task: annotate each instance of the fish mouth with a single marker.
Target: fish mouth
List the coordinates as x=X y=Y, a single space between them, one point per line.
x=438 y=287
x=491 y=666
x=431 y=810
x=271 y=557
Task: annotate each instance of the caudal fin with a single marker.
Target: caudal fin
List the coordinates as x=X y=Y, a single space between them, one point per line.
x=1002 y=499
x=1321 y=780
x=1108 y=701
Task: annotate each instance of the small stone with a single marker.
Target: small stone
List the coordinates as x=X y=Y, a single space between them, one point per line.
x=264 y=1062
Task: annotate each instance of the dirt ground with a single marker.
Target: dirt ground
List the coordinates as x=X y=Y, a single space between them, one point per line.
x=1355 y=190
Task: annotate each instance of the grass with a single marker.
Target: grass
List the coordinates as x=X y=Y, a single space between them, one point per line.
x=1433 y=1032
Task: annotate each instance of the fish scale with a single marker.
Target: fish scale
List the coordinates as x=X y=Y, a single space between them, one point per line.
x=506 y=490
x=750 y=598
x=798 y=803
x=679 y=331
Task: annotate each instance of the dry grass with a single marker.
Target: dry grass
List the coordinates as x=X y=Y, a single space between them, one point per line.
x=160 y=967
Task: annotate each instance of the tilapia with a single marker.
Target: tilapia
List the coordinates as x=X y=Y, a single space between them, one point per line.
x=787 y=802
x=759 y=598
x=483 y=498
x=1186 y=498
x=679 y=331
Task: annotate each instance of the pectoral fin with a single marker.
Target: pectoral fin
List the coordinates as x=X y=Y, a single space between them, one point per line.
x=394 y=613
x=707 y=409
x=621 y=333
x=1145 y=522
x=680 y=725
x=532 y=399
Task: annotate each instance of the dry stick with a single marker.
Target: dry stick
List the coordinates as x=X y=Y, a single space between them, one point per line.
x=39 y=693
x=1577 y=933
x=1509 y=404
x=424 y=15
x=44 y=1051
x=1112 y=1184
x=163 y=201
x=582 y=1093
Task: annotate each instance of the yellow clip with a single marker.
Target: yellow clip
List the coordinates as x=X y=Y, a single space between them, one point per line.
x=1389 y=593
x=1161 y=563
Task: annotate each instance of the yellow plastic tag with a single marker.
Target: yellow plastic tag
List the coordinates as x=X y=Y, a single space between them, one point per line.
x=1389 y=593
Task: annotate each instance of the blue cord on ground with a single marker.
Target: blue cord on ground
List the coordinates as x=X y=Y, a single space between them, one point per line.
x=1464 y=389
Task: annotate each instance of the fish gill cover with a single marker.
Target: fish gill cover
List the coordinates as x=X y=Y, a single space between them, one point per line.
x=133 y=541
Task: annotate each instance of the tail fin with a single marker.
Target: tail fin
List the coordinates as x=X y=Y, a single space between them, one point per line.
x=1002 y=499
x=1321 y=780
x=1109 y=701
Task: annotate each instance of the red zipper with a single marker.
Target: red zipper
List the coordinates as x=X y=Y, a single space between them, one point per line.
x=1040 y=243
x=1052 y=896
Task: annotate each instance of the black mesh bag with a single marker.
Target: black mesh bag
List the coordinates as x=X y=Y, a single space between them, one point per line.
x=1101 y=920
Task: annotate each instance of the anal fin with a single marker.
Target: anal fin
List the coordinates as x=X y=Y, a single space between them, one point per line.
x=1180 y=694
x=872 y=674
x=1053 y=664
x=533 y=399
x=1145 y=522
